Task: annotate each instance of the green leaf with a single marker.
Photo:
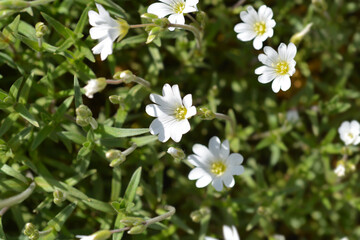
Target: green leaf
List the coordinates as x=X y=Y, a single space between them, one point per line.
x=42 y=135
x=145 y=140
x=6 y=169
x=2 y=234
x=58 y=221
x=77 y=91
x=60 y=28
x=25 y=90
x=82 y=21
x=74 y=136
x=133 y=184
x=8 y=123
x=15 y=88
x=115 y=184
x=24 y=113
x=62 y=109
x=106 y=132
x=99 y=205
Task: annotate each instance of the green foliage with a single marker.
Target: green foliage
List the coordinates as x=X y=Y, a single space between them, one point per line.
x=289 y=186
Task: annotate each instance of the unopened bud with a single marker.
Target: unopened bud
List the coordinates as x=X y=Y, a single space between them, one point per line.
x=200 y=214
x=100 y=235
x=83 y=111
x=176 y=153
x=13 y=4
x=297 y=37
x=127 y=76
x=137 y=229
x=132 y=221
x=162 y=22
x=29 y=229
x=59 y=197
x=41 y=29
x=150 y=38
x=93 y=123
x=201 y=17
x=115 y=99
x=206 y=114
x=116 y=157
x=34 y=236
x=94 y=85
x=81 y=121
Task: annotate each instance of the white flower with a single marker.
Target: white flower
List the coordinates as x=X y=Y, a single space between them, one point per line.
x=82 y=237
x=340 y=170
x=349 y=132
x=278 y=237
x=99 y=235
x=230 y=233
x=344 y=238
x=171 y=112
x=106 y=30
x=174 y=8
x=215 y=164
x=279 y=66
x=93 y=86
x=256 y=25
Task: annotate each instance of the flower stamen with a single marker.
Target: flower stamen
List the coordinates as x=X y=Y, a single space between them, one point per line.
x=282 y=68
x=260 y=28
x=180 y=113
x=218 y=168
x=179 y=7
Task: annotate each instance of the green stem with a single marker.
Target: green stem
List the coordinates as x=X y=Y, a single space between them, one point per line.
x=192 y=29
x=130 y=149
x=113 y=82
x=227 y=118
x=142 y=81
x=142 y=25
x=193 y=19
x=46 y=232
x=8 y=202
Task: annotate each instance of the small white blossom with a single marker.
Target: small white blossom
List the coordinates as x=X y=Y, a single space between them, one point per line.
x=82 y=237
x=215 y=164
x=171 y=113
x=256 y=25
x=344 y=238
x=230 y=233
x=350 y=132
x=340 y=170
x=279 y=66
x=106 y=30
x=278 y=237
x=174 y=8
x=93 y=86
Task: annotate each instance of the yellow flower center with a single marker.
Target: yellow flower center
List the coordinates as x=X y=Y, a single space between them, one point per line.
x=218 y=168
x=180 y=113
x=282 y=68
x=179 y=7
x=260 y=28
x=350 y=135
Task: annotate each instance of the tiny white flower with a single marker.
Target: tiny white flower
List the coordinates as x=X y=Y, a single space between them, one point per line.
x=278 y=237
x=82 y=237
x=174 y=8
x=340 y=170
x=350 y=132
x=215 y=164
x=344 y=238
x=93 y=86
x=171 y=113
x=279 y=66
x=230 y=233
x=99 y=235
x=256 y=25
x=106 y=30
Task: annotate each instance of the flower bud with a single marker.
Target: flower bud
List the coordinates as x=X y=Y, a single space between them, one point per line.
x=83 y=111
x=59 y=197
x=162 y=22
x=200 y=214
x=127 y=76
x=99 y=235
x=132 y=221
x=115 y=99
x=137 y=229
x=176 y=153
x=150 y=38
x=206 y=114
x=297 y=37
x=124 y=28
x=34 y=236
x=41 y=29
x=201 y=17
x=29 y=229
x=81 y=121
x=94 y=86
x=93 y=123
x=13 y=4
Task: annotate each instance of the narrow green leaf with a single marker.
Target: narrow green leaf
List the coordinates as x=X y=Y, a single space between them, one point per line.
x=59 y=27
x=74 y=136
x=145 y=140
x=6 y=169
x=133 y=184
x=115 y=184
x=106 y=131
x=2 y=234
x=8 y=123
x=82 y=21
x=99 y=205
x=25 y=90
x=15 y=88
x=77 y=91
x=24 y=113
x=59 y=114
x=41 y=136
x=58 y=221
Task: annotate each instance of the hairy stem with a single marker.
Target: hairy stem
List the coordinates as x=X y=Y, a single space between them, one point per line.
x=227 y=118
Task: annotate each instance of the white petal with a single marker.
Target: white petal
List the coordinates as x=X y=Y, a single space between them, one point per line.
x=271 y=23
x=243 y=27
x=210 y=238
x=155 y=110
x=196 y=173
x=187 y=101
x=176 y=18
x=229 y=181
x=191 y=112
x=257 y=43
x=158 y=128
x=98 y=32
x=276 y=85
x=94 y=18
x=246 y=36
x=197 y=161
x=344 y=127
x=235 y=159
x=203 y=181
x=291 y=51
x=237 y=170
x=282 y=50
x=265 y=59
x=224 y=150
x=285 y=83
x=266 y=77
x=202 y=151
x=250 y=16
x=217 y=184
x=235 y=234
x=271 y=54
x=107 y=49
x=176 y=94
x=178 y=128
x=160 y=9
x=228 y=233
x=214 y=145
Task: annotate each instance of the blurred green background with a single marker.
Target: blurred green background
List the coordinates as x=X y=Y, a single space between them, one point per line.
x=288 y=187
